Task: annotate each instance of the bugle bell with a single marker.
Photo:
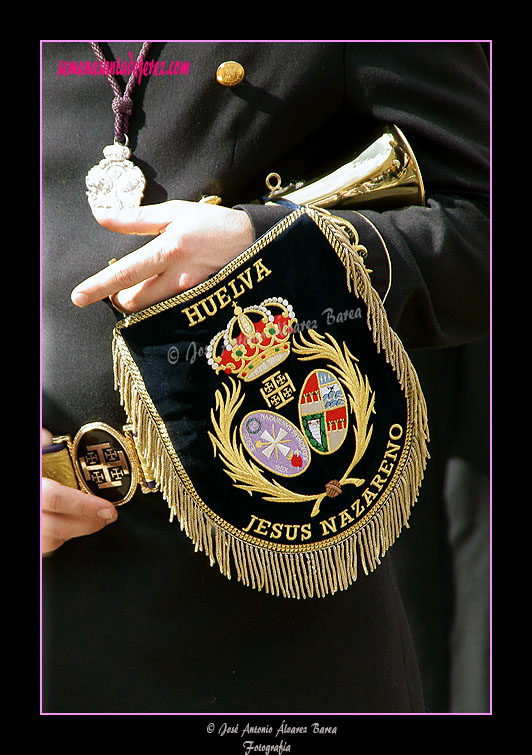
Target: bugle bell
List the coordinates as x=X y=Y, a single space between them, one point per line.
x=384 y=176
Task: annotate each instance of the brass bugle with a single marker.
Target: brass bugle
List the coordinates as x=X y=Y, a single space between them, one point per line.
x=384 y=176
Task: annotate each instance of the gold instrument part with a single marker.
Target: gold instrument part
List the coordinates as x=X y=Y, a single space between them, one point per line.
x=385 y=175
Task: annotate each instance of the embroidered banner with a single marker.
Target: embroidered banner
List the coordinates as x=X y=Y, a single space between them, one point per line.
x=289 y=445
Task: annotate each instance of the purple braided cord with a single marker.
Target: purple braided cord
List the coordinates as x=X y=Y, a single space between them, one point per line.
x=122 y=104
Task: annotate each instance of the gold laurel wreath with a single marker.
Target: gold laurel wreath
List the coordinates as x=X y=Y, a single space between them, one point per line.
x=244 y=473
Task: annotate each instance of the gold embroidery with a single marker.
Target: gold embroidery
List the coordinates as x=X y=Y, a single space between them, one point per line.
x=220 y=298
x=277 y=390
x=245 y=474
x=256 y=340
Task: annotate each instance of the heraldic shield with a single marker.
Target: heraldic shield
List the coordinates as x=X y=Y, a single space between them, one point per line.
x=280 y=414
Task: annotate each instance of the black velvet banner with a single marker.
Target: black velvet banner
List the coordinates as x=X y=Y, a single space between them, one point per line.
x=290 y=424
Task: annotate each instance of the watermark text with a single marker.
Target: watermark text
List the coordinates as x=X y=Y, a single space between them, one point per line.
x=123 y=67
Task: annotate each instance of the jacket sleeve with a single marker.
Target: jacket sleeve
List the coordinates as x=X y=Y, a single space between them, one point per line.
x=431 y=264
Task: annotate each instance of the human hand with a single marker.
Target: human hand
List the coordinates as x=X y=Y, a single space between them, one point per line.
x=68 y=513
x=193 y=241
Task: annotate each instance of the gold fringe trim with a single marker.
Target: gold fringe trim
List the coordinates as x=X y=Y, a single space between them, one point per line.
x=307 y=574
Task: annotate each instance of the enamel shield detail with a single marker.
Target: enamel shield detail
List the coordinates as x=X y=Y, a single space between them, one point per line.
x=275 y=443
x=323 y=412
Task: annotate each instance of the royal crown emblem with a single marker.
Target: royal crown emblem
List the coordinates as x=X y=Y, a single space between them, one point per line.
x=255 y=340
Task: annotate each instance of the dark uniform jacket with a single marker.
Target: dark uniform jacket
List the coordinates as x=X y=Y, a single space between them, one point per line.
x=134 y=620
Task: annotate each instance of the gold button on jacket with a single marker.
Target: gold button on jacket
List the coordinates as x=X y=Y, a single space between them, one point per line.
x=230 y=73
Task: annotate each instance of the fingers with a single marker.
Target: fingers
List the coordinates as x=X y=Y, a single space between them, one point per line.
x=145 y=220
x=68 y=513
x=154 y=289
x=139 y=266
x=126 y=273
x=60 y=499
x=195 y=240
